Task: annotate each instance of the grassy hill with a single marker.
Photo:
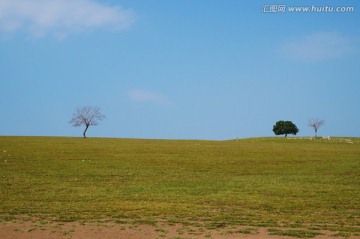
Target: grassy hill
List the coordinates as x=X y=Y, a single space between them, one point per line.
x=270 y=182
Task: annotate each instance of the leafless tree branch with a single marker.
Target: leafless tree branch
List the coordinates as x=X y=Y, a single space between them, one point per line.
x=88 y=116
x=315 y=123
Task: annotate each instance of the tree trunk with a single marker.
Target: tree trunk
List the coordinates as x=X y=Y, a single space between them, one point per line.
x=84 y=134
x=285 y=135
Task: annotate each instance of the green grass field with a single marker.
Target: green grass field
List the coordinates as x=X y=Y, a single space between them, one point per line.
x=261 y=182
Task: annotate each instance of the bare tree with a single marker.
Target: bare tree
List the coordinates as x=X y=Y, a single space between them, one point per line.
x=86 y=115
x=315 y=123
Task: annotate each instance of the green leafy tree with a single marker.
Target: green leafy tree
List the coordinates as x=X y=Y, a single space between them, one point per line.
x=285 y=127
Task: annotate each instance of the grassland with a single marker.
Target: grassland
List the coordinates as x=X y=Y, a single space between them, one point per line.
x=276 y=183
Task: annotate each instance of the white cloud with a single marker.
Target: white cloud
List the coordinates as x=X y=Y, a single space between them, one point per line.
x=144 y=96
x=319 y=46
x=41 y=17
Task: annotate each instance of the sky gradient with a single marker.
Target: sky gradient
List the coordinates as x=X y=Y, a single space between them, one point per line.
x=178 y=69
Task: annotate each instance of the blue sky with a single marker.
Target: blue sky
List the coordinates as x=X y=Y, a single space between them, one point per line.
x=178 y=69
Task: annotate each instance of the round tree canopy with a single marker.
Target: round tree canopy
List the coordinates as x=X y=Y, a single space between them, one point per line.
x=285 y=127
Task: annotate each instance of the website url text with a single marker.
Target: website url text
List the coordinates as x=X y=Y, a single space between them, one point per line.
x=277 y=8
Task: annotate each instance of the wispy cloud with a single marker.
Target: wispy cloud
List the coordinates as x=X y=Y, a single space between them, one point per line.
x=145 y=96
x=61 y=17
x=319 y=46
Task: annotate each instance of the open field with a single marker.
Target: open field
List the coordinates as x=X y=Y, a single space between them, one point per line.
x=298 y=188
